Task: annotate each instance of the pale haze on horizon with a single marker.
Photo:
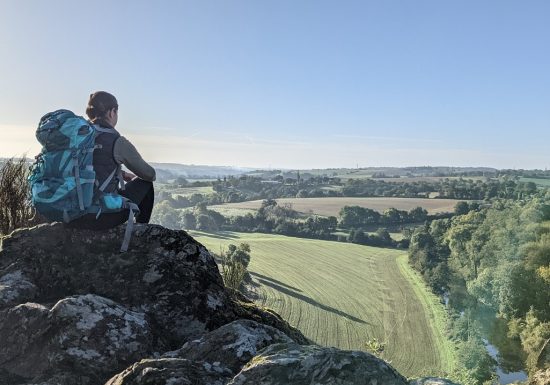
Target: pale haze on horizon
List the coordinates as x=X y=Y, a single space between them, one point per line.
x=289 y=84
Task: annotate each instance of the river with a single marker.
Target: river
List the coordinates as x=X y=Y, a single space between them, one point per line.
x=507 y=352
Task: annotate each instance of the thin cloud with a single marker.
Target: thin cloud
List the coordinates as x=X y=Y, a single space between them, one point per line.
x=388 y=138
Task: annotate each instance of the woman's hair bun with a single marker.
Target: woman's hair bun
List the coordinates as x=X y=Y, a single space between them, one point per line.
x=99 y=103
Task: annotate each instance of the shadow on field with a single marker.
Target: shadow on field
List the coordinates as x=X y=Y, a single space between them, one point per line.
x=304 y=298
x=274 y=281
x=218 y=235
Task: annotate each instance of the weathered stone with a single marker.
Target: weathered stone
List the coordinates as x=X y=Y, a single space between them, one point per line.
x=23 y=332
x=232 y=345
x=165 y=273
x=15 y=288
x=97 y=333
x=172 y=371
x=246 y=309
x=87 y=335
x=65 y=378
x=94 y=310
x=290 y=363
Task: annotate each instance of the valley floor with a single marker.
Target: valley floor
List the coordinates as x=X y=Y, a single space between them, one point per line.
x=343 y=295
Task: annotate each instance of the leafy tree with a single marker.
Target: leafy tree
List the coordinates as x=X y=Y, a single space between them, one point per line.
x=359 y=237
x=233 y=269
x=465 y=260
x=240 y=253
x=418 y=214
x=535 y=339
x=392 y=215
x=164 y=214
x=206 y=223
x=356 y=216
x=476 y=361
x=181 y=181
x=189 y=221
x=462 y=208
x=384 y=235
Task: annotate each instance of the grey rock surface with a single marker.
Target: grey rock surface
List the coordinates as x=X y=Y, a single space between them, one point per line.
x=81 y=334
x=15 y=288
x=172 y=371
x=290 y=363
x=73 y=309
x=232 y=345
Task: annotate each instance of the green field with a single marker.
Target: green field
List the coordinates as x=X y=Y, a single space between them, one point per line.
x=406 y=179
x=345 y=174
x=538 y=181
x=188 y=191
x=342 y=295
x=331 y=206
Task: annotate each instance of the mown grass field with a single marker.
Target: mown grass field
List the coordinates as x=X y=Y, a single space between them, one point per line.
x=331 y=206
x=342 y=295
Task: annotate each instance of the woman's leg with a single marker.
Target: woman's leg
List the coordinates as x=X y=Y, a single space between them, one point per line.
x=138 y=191
x=104 y=222
x=141 y=193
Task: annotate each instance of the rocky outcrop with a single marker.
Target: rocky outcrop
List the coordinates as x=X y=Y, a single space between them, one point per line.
x=70 y=302
x=214 y=358
x=74 y=310
x=233 y=345
x=173 y=371
x=88 y=334
x=290 y=363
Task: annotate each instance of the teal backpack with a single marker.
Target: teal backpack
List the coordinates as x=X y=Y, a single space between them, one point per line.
x=62 y=179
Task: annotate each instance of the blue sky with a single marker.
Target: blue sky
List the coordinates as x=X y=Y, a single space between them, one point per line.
x=293 y=84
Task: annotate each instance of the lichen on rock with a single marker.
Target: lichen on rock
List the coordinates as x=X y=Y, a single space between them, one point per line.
x=290 y=363
x=94 y=311
x=15 y=288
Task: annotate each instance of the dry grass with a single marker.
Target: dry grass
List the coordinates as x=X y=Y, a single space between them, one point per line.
x=332 y=206
x=15 y=208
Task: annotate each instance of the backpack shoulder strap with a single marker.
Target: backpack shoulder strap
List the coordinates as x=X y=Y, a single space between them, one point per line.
x=105 y=129
x=117 y=172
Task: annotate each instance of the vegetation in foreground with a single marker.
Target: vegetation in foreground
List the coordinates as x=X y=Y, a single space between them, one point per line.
x=15 y=208
x=344 y=295
x=234 y=263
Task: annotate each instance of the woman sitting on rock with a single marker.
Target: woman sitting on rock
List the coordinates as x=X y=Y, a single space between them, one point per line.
x=114 y=151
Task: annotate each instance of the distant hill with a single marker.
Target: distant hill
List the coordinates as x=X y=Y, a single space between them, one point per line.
x=380 y=172
x=173 y=170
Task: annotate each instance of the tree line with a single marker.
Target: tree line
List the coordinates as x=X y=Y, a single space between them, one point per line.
x=246 y=188
x=271 y=217
x=494 y=260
